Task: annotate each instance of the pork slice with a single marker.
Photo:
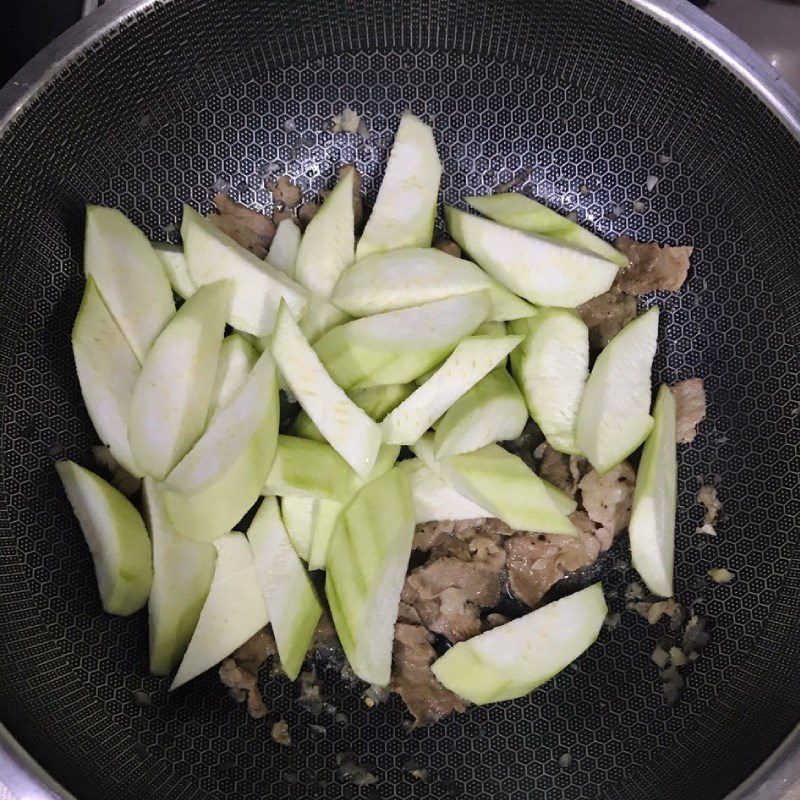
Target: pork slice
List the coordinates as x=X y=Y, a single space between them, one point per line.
x=652 y=266
x=537 y=561
x=426 y=534
x=450 y=614
x=479 y=581
x=244 y=225
x=606 y=315
x=239 y=672
x=607 y=500
x=561 y=470
x=690 y=408
x=413 y=680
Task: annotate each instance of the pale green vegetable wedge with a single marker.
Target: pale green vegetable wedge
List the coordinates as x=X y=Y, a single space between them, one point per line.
x=495 y=328
x=283 y=250
x=348 y=429
x=116 y=536
x=551 y=367
x=614 y=417
x=228 y=433
x=434 y=498
x=473 y=358
x=176 y=269
x=377 y=401
x=652 y=525
x=182 y=573
x=399 y=346
x=514 y=659
x=491 y=411
x=507 y=488
x=517 y=211
x=258 y=286
x=237 y=357
x=307 y=468
x=208 y=514
x=307 y=520
x=234 y=610
x=129 y=276
x=564 y=503
x=405 y=209
x=320 y=317
x=414 y=276
x=367 y=564
x=425 y=450
x=328 y=244
x=107 y=370
x=291 y=600
x=541 y=270
x=170 y=401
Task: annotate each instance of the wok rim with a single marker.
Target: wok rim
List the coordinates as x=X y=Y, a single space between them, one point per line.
x=781 y=771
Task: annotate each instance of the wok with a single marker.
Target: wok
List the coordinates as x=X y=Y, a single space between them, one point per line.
x=149 y=103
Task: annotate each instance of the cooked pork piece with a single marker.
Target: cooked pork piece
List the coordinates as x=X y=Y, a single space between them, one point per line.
x=690 y=408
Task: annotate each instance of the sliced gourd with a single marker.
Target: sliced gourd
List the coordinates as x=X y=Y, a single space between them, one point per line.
x=652 y=525
x=514 y=659
x=405 y=209
x=328 y=244
x=541 y=270
x=283 y=250
x=182 y=573
x=434 y=498
x=129 y=276
x=491 y=411
x=107 y=370
x=614 y=417
x=321 y=317
x=348 y=429
x=291 y=600
x=425 y=450
x=237 y=357
x=258 y=286
x=308 y=519
x=212 y=512
x=495 y=328
x=551 y=367
x=116 y=536
x=413 y=276
x=564 y=503
x=398 y=346
x=367 y=564
x=234 y=610
x=307 y=468
x=507 y=488
x=176 y=269
x=473 y=358
x=228 y=433
x=517 y=211
x=170 y=401
x=377 y=401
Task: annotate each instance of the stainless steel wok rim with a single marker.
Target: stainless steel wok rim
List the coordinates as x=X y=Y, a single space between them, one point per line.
x=781 y=771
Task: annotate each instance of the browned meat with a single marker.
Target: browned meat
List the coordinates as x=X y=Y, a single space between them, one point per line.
x=448 y=246
x=407 y=613
x=606 y=315
x=652 y=266
x=537 y=561
x=284 y=193
x=451 y=614
x=413 y=680
x=245 y=226
x=479 y=581
x=426 y=534
x=707 y=497
x=607 y=500
x=463 y=573
x=306 y=213
x=240 y=672
x=561 y=470
x=690 y=408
